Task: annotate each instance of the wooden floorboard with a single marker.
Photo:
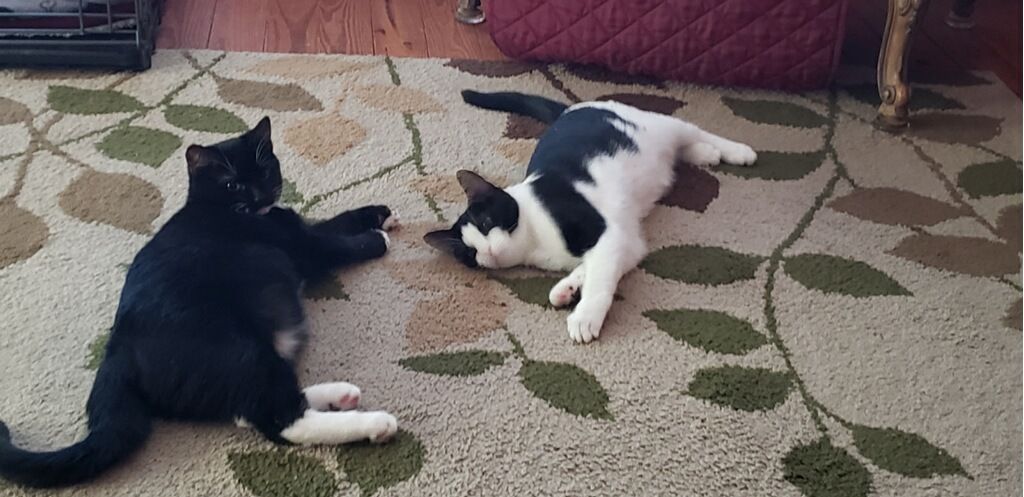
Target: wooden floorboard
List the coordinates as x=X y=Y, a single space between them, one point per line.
x=239 y=25
x=398 y=29
x=319 y=26
x=186 y=24
x=449 y=38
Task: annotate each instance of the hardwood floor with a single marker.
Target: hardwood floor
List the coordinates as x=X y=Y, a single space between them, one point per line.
x=427 y=28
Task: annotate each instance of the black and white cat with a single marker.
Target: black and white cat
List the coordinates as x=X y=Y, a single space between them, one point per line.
x=210 y=321
x=595 y=175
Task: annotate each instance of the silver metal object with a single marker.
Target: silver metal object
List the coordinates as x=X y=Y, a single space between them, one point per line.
x=468 y=12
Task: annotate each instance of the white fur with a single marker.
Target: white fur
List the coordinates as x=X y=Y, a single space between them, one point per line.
x=626 y=187
x=289 y=341
x=332 y=428
x=337 y=396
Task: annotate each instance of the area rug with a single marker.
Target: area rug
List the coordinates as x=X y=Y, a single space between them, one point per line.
x=841 y=320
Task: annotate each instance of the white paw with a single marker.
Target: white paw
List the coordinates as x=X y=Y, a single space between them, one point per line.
x=702 y=154
x=381 y=427
x=338 y=396
x=739 y=154
x=387 y=239
x=564 y=291
x=584 y=327
x=392 y=222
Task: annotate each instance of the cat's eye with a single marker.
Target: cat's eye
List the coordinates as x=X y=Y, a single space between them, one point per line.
x=232 y=186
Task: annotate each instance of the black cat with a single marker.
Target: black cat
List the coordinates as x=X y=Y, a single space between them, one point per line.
x=210 y=321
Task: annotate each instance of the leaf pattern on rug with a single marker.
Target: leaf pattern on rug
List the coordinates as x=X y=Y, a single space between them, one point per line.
x=492 y=68
x=960 y=254
x=290 y=194
x=88 y=102
x=895 y=207
x=373 y=467
x=923 y=98
x=1008 y=225
x=991 y=179
x=397 y=99
x=904 y=453
x=13 y=112
x=955 y=128
x=832 y=274
x=694 y=188
x=328 y=289
x=645 y=101
x=701 y=265
x=532 y=290
x=203 y=118
x=518 y=126
x=465 y=363
x=146 y=146
x=324 y=138
x=820 y=469
x=282 y=473
x=24 y=233
x=299 y=67
x=119 y=200
x=778 y=166
x=566 y=387
x=741 y=388
x=711 y=331
x=267 y=96
x=438 y=322
x=97 y=351
x=775 y=112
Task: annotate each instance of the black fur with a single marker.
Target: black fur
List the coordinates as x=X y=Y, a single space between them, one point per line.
x=193 y=336
x=574 y=138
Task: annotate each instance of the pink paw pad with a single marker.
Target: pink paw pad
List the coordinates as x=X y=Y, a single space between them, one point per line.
x=345 y=403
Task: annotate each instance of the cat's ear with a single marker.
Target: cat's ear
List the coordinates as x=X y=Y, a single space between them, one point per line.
x=261 y=132
x=197 y=157
x=444 y=240
x=474 y=185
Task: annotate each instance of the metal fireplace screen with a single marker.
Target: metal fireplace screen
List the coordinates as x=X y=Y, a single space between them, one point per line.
x=78 y=33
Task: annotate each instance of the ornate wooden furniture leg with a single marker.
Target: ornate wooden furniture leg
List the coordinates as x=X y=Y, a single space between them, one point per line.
x=469 y=12
x=892 y=61
x=960 y=15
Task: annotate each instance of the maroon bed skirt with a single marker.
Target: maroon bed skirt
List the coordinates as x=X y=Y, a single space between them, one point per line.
x=778 y=44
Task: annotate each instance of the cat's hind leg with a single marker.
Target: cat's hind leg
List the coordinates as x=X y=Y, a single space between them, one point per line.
x=284 y=413
x=615 y=254
x=337 y=396
x=563 y=293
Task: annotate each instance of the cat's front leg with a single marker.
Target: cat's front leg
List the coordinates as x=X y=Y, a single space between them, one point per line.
x=614 y=255
x=563 y=293
x=371 y=217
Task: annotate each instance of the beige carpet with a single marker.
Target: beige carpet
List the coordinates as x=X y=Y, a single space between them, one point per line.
x=842 y=320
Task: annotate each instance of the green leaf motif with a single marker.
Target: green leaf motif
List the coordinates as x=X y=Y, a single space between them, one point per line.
x=280 y=473
x=327 y=289
x=532 y=290
x=711 y=331
x=290 y=195
x=774 y=112
x=904 y=453
x=778 y=166
x=832 y=274
x=745 y=389
x=566 y=387
x=991 y=179
x=202 y=118
x=89 y=102
x=373 y=466
x=924 y=98
x=140 y=145
x=820 y=469
x=97 y=350
x=701 y=265
x=468 y=363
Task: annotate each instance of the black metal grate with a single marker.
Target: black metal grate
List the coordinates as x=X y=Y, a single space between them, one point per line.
x=78 y=33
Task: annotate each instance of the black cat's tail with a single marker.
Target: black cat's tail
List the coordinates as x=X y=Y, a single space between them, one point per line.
x=539 y=108
x=119 y=423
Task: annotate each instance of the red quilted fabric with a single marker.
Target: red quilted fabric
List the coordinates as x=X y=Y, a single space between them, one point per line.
x=781 y=44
